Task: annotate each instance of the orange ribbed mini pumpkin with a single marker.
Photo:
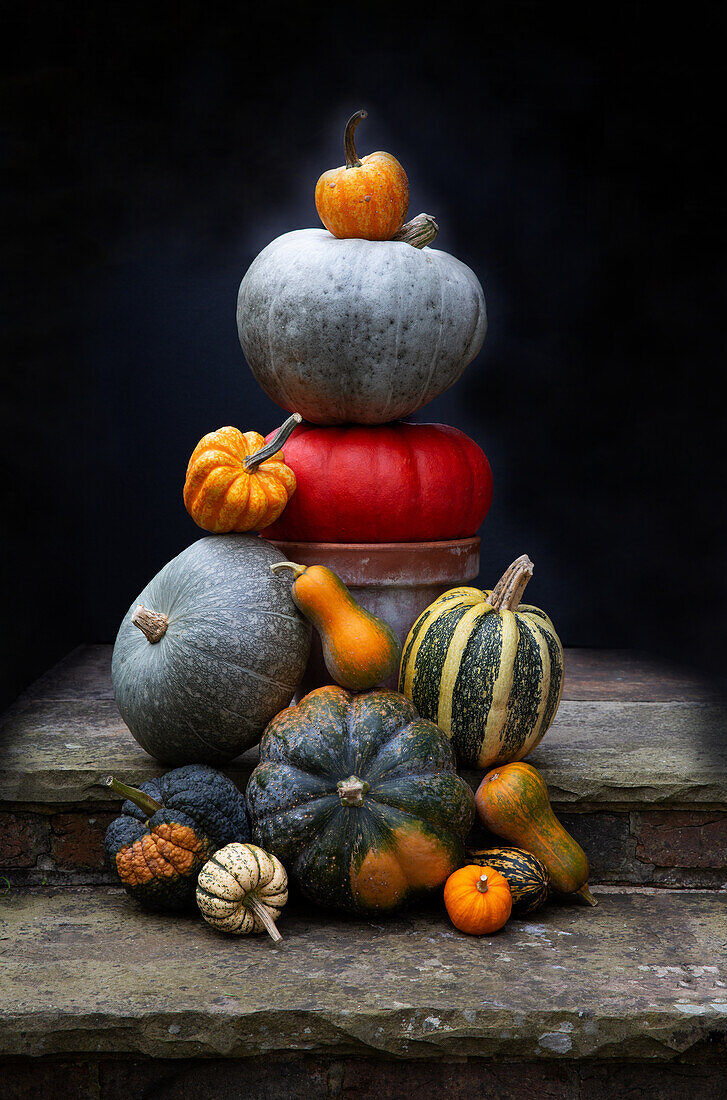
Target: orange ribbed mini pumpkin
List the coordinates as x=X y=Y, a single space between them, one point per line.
x=366 y=197
x=237 y=482
x=478 y=900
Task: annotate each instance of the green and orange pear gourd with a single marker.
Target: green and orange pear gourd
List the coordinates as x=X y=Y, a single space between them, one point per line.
x=512 y=802
x=360 y=650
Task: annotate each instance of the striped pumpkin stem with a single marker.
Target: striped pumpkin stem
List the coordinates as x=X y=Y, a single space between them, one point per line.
x=508 y=592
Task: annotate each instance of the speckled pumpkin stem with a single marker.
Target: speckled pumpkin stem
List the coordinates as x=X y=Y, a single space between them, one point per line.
x=281 y=436
x=351 y=791
x=419 y=232
x=152 y=624
x=297 y=570
x=508 y=591
x=349 y=146
x=141 y=799
x=257 y=907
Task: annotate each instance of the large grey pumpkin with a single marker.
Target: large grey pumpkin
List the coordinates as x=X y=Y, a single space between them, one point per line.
x=357 y=331
x=218 y=651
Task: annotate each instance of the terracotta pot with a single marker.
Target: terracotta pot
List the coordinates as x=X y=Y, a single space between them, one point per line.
x=394 y=580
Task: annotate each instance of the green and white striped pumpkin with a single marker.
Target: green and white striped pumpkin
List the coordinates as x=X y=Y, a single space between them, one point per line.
x=486 y=668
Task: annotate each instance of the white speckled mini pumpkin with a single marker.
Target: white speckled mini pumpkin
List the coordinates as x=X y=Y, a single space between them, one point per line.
x=355 y=330
x=242 y=889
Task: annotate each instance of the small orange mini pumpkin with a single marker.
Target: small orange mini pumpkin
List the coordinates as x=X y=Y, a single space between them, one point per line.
x=478 y=900
x=365 y=198
x=237 y=482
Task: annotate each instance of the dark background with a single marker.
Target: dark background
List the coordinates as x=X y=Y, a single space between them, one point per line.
x=571 y=160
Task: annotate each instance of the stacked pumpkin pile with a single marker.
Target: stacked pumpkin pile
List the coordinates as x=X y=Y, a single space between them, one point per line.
x=357 y=794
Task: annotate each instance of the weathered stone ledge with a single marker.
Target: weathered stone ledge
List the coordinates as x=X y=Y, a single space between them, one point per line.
x=642 y=976
x=601 y=754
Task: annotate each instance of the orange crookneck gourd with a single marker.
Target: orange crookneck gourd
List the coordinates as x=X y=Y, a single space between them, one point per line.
x=512 y=802
x=366 y=197
x=237 y=482
x=360 y=650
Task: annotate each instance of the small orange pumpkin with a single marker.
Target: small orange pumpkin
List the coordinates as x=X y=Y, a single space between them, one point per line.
x=365 y=198
x=237 y=482
x=478 y=900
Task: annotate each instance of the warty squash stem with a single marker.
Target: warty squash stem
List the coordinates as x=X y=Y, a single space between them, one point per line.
x=349 y=146
x=508 y=591
x=297 y=569
x=254 y=460
x=253 y=903
x=419 y=232
x=152 y=624
x=141 y=799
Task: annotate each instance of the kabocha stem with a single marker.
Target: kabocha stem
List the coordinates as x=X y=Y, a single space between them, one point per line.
x=419 y=232
x=508 y=591
x=297 y=569
x=586 y=894
x=152 y=624
x=351 y=791
x=349 y=146
x=251 y=902
x=141 y=799
x=281 y=436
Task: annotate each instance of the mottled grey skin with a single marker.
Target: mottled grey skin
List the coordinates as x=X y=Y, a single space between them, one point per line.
x=357 y=331
x=233 y=654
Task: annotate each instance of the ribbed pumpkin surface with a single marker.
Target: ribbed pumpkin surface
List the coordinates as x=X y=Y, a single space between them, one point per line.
x=359 y=798
x=490 y=679
x=526 y=876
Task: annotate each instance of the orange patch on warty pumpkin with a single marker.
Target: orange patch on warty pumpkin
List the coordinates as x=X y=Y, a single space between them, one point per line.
x=423 y=860
x=380 y=882
x=169 y=850
x=385 y=877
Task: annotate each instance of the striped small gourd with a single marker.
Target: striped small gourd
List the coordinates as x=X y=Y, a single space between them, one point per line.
x=486 y=668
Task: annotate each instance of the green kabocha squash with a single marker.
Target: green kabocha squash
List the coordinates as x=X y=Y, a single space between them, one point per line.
x=168 y=828
x=212 y=648
x=359 y=798
x=486 y=668
x=526 y=876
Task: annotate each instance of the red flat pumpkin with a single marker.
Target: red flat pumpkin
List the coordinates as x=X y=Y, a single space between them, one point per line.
x=395 y=482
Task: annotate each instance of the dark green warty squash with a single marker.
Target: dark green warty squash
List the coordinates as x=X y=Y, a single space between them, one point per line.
x=359 y=798
x=168 y=828
x=526 y=876
x=212 y=648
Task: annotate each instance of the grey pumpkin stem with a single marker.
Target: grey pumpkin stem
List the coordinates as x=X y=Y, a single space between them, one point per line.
x=508 y=592
x=141 y=799
x=152 y=624
x=349 y=145
x=281 y=436
x=419 y=232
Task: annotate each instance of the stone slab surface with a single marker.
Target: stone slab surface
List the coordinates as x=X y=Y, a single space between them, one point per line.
x=642 y=976
x=626 y=752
